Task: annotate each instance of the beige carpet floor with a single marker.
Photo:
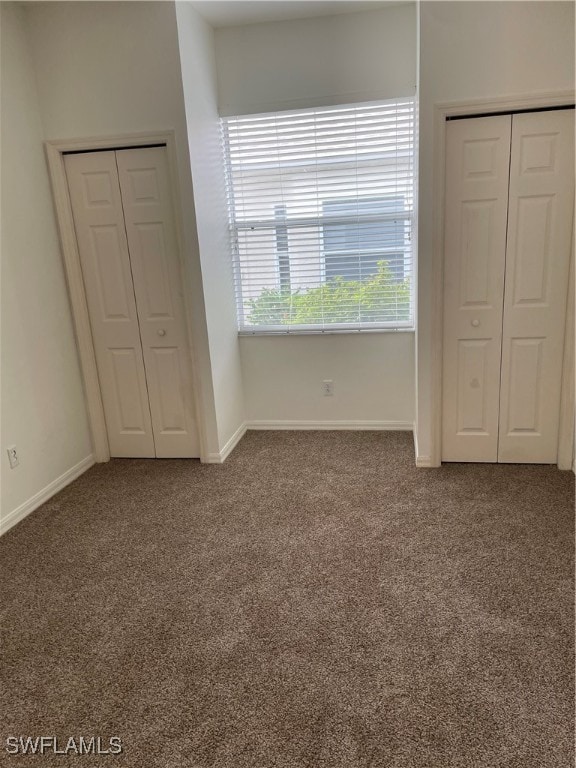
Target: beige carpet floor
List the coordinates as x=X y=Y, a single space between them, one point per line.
x=316 y=602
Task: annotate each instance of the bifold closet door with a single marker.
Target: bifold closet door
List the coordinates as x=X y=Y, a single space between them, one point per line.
x=125 y=227
x=477 y=165
x=153 y=247
x=540 y=221
x=103 y=247
x=508 y=243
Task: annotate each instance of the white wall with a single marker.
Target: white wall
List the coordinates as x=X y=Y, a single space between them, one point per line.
x=113 y=68
x=372 y=375
x=317 y=61
x=292 y=64
x=43 y=410
x=198 y=64
x=476 y=50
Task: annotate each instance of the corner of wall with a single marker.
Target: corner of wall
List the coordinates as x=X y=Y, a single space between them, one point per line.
x=222 y=360
x=41 y=497
x=219 y=457
x=43 y=404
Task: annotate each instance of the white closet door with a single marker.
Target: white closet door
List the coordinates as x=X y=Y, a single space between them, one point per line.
x=537 y=268
x=477 y=166
x=101 y=236
x=153 y=246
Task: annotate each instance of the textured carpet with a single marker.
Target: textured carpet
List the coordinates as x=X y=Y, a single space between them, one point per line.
x=315 y=602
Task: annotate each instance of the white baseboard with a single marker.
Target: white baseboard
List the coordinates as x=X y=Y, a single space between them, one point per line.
x=563 y=465
x=46 y=493
x=404 y=426
x=221 y=456
x=421 y=460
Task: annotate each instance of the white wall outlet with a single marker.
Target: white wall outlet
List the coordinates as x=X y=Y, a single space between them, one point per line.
x=13 y=456
x=327 y=387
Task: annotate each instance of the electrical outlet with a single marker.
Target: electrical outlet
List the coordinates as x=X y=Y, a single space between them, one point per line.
x=327 y=387
x=13 y=456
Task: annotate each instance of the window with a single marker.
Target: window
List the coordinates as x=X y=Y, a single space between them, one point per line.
x=320 y=208
x=354 y=248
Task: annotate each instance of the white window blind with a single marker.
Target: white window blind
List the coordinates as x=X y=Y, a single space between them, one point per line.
x=320 y=209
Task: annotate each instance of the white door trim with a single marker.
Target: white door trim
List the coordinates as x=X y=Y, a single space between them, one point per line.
x=567 y=424
x=55 y=156
x=441 y=112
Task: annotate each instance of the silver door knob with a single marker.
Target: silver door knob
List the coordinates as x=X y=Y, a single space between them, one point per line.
x=475 y=323
x=161 y=332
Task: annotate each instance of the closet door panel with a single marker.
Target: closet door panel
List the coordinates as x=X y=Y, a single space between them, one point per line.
x=152 y=240
x=100 y=232
x=477 y=166
x=538 y=251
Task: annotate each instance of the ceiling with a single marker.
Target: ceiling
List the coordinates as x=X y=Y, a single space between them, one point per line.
x=230 y=13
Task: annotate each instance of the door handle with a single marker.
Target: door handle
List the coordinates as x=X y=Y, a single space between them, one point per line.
x=475 y=323
x=161 y=332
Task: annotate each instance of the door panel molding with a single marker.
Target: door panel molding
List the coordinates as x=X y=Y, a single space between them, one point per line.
x=55 y=153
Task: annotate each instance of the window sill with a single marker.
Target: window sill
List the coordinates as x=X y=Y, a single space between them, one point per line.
x=324 y=332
